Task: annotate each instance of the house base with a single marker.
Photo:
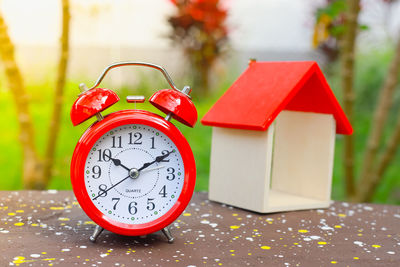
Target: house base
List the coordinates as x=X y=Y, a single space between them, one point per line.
x=280 y=202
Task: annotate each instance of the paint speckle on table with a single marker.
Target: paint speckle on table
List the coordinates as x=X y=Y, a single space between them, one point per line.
x=46 y=228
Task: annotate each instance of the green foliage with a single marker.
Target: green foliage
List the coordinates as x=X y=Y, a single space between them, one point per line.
x=371 y=69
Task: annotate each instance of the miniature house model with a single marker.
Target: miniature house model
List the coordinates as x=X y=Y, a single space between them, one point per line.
x=273 y=138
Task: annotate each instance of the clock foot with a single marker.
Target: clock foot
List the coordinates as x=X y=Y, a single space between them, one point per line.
x=96 y=233
x=168 y=234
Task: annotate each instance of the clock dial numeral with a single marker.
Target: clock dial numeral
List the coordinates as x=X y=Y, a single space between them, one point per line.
x=164 y=152
x=96 y=171
x=103 y=190
x=163 y=192
x=138 y=136
x=171 y=172
x=116 y=199
x=152 y=143
x=119 y=141
x=132 y=208
x=104 y=155
x=150 y=204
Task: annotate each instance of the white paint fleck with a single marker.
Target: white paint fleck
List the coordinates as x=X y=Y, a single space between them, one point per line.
x=65 y=249
x=359 y=243
x=4 y=231
x=52 y=191
x=396 y=215
x=83 y=247
x=205 y=222
x=250 y=239
x=35 y=255
x=213 y=225
x=391 y=252
x=307 y=239
x=103 y=255
x=58 y=233
x=315 y=237
x=206 y=215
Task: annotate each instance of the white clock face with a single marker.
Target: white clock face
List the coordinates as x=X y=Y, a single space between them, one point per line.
x=134 y=174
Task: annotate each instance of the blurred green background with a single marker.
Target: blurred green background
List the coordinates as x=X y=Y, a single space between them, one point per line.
x=370 y=74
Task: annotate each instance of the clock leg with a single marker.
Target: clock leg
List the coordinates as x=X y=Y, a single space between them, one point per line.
x=96 y=233
x=168 y=234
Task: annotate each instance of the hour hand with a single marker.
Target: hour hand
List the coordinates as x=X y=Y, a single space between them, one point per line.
x=117 y=162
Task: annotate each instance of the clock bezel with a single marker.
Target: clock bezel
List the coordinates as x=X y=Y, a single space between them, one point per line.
x=97 y=130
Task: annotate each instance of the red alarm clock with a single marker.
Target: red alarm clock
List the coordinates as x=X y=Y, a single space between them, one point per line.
x=132 y=171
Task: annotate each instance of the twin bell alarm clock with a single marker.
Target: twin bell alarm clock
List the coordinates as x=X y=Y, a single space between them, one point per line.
x=132 y=171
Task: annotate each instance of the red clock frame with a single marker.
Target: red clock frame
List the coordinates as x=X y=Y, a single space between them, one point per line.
x=89 y=138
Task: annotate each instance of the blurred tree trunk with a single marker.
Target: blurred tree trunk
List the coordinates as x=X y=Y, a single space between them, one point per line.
x=55 y=121
x=370 y=176
x=347 y=77
x=32 y=166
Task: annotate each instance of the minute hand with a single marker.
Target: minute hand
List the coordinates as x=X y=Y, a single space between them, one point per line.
x=158 y=159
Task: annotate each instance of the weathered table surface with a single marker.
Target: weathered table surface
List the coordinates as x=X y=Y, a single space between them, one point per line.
x=46 y=228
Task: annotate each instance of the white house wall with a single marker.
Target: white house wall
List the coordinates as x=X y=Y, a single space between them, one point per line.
x=240 y=167
x=303 y=154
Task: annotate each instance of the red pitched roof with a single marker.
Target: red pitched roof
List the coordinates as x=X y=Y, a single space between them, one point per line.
x=266 y=88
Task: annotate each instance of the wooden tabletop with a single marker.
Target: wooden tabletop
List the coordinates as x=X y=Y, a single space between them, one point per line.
x=48 y=228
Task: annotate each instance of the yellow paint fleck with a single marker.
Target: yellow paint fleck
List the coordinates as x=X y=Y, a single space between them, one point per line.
x=232 y=250
x=239 y=219
x=89 y=222
x=19 y=259
x=342 y=215
x=249 y=253
x=110 y=250
x=356 y=258
x=11 y=214
x=303 y=231
x=50 y=264
x=49 y=259
x=232 y=254
x=19 y=211
x=177 y=260
x=187 y=214
x=235 y=226
x=219 y=263
x=295 y=243
x=235 y=214
x=322 y=243
x=56 y=208
x=338 y=226
x=389 y=235
x=34 y=224
x=75 y=203
x=359 y=234
x=63 y=219
x=376 y=246
x=44 y=253
x=265 y=247
x=333 y=262
x=86 y=259
x=19 y=224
